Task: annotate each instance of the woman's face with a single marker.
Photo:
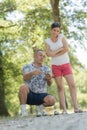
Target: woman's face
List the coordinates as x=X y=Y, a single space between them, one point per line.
x=55 y=31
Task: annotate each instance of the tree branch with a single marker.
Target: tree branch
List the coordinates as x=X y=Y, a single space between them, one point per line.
x=1 y=26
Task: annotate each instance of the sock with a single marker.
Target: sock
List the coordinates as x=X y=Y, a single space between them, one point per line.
x=23 y=110
x=40 y=108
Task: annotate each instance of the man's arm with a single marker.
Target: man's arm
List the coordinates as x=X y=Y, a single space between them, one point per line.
x=29 y=75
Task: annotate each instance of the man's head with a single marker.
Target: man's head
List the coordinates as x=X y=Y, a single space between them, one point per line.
x=39 y=56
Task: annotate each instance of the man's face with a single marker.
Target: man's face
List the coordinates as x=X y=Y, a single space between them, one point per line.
x=39 y=57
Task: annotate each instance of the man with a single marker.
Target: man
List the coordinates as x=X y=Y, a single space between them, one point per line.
x=36 y=77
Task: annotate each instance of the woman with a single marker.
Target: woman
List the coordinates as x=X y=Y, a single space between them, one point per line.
x=57 y=49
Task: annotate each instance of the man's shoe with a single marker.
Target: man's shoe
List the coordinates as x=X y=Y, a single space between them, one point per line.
x=40 y=111
x=39 y=114
x=24 y=114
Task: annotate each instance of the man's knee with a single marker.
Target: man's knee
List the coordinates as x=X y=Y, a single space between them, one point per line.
x=23 y=89
x=50 y=100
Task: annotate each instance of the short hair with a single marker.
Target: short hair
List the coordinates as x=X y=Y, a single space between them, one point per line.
x=55 y=24
x=36 y=50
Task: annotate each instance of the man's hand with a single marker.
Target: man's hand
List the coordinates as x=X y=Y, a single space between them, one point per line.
x=48 y=77
x=36 y=72
x=30 y=74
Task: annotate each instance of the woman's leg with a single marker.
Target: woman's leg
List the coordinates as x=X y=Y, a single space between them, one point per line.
x=60 y=89
x=70 y=80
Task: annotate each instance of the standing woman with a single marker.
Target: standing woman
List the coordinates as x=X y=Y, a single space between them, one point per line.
x=57 y=49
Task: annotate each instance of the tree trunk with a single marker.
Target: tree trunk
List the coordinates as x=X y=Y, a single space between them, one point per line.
x=3 y=109
x=55 y=8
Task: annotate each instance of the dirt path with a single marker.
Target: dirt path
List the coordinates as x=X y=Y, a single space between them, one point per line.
x=58 y=122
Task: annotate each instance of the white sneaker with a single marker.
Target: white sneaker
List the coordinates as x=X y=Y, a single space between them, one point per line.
x=23 y=110
x=39 y=114
x=40 y=111
x=24 y=113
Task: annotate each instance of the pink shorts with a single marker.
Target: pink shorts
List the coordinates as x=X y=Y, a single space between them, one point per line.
x=61 y=70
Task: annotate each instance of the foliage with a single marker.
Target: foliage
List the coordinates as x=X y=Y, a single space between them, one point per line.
x=74 y=20
x=19 y=36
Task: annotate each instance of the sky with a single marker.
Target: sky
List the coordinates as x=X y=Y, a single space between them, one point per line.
x=82 y=56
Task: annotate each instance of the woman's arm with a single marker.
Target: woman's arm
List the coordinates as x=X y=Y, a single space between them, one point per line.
x=51 y=53
x=65 y=47
x=57 y=52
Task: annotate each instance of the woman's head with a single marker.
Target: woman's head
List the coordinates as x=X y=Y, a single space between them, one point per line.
x=55 y=29
x=55 y=25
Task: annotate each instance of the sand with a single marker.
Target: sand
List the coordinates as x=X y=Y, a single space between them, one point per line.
x=73 y=121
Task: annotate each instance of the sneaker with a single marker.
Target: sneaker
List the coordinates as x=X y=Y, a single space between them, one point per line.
x=39 y=114
x=56 y=113
x=40 y=111
x=44 y=113
x=24 y=113
x=23 y=110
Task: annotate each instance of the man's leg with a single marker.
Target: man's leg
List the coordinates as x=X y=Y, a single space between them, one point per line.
x=23 y=92
x=49 y=100
x=43 y=100
x=40 y=110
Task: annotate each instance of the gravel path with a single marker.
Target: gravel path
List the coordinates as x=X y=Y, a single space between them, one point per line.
x=59 y=122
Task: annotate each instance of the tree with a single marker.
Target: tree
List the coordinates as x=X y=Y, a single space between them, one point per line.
x=3 y=109
x=4 y=7
x=55 y=8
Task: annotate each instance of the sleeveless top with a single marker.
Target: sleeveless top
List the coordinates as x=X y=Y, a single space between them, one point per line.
x=58 y=60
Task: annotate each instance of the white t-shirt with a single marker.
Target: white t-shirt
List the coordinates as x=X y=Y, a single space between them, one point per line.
x=58 y=60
